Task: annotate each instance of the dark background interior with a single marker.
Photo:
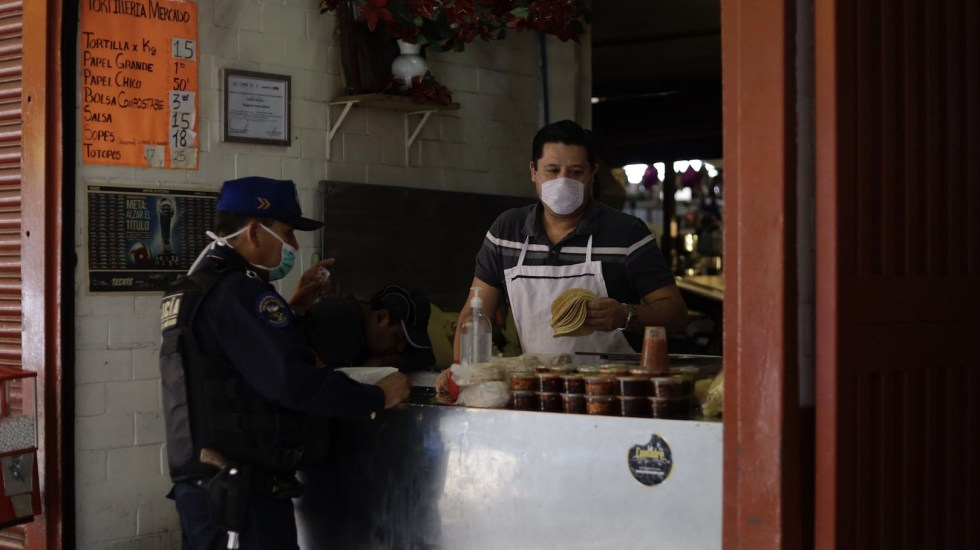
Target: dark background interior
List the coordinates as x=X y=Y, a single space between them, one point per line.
x=656 y=68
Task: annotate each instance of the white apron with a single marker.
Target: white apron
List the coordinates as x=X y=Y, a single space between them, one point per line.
x=532 y=289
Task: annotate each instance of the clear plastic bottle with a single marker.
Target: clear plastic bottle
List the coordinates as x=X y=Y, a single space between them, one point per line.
x=476 y=334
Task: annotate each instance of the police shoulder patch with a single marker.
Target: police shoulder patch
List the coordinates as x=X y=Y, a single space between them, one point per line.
x=271 y=308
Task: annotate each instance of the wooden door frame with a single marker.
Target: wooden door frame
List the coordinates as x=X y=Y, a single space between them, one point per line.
x=762 y=497
x=43 y=269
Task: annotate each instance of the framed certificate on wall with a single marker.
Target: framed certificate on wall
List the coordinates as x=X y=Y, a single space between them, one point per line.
x=257 y=107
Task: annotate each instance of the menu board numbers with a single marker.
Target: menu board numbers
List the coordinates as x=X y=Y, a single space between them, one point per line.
x=182 y=120
x=183 y=157
x=183 y=48
x=154 y=155
x=128 y=74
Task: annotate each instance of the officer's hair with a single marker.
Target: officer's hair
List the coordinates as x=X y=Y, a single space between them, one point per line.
x=567 y=132
x=226 y=223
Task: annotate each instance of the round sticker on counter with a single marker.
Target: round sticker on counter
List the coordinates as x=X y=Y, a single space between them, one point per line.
x=650 y=464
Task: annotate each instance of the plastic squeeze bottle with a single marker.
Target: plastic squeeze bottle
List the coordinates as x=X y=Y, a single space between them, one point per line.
x=476 y=334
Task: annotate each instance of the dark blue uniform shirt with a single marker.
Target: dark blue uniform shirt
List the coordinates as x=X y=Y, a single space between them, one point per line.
x=245 y=320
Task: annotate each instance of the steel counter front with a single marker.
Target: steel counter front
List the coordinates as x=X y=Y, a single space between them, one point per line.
x=426 y=476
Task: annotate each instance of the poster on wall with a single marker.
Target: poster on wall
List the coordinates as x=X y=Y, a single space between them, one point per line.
x=139 y=83
x=140 y=240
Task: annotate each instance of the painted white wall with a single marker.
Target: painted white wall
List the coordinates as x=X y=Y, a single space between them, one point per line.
x=120 y=467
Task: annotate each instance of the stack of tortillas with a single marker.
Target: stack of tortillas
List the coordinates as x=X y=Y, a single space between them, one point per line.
x=568 y=312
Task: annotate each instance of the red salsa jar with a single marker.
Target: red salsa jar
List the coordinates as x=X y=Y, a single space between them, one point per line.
x=601 y=404
x=549 y=402
x=549 y=382
x=667 y=386
x=524 y=401
x=600 y=385
x=573 y=383
x=573 y=403
x=633 y=386
x=524 y=381
x=634 y=406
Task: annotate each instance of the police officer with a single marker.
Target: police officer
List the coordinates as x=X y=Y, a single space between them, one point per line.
x=239 y=377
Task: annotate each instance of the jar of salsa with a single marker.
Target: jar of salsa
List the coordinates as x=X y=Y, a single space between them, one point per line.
x=549 y=382
x=614 y=370
x=573 y=403
x=601 y=404
x=549 y=402
x=573 y=383
x=634 y=406
x=524 y=400
x=667 y=407
x=667 y=386
x=524 y=381
x=654 y=353
x=600 y=385
x=634 y=386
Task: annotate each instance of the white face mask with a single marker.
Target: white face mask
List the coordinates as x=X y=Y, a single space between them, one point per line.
x=563 y=195
x=287 y=258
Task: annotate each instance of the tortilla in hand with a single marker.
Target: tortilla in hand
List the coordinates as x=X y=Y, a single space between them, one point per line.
x=568 y=312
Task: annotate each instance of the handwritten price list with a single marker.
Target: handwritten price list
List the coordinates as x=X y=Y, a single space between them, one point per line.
x=139 y=83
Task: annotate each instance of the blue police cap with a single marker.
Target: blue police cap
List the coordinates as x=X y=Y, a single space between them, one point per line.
x=265 y=198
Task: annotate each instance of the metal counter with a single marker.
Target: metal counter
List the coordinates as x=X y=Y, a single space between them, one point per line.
x=428 y=476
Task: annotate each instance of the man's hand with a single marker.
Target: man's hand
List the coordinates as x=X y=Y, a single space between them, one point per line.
x=396 y=387
x=312 y=285
x=605 y=314
x=442 y=382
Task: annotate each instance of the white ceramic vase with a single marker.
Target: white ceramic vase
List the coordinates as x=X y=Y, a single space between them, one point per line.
x=408 y=64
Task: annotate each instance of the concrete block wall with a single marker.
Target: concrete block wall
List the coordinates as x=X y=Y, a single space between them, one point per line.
x=120 y=457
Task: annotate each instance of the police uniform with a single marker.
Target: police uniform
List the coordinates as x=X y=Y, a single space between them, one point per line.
x=239 y=377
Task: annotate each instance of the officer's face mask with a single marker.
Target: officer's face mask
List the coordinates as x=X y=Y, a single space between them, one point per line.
x=287 y=258
x=563 y=195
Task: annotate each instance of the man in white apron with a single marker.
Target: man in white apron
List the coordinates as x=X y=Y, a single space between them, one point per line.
x=567 y=240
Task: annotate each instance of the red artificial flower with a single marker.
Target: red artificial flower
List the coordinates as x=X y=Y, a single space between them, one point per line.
x=460 y=12
x=373 y=10
x=423 y=8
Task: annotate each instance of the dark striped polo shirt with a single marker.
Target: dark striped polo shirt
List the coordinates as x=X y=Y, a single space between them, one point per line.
x=632 y=264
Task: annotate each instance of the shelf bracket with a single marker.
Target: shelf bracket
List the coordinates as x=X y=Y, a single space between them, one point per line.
x=411 y=135
x=332 y=128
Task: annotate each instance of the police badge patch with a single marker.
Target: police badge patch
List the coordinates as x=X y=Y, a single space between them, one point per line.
x=272 y=309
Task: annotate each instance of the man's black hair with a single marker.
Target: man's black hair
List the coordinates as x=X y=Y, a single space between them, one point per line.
x=567 y=132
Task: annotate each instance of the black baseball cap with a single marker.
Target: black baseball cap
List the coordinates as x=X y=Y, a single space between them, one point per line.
x=260 y=197
x=409 y=306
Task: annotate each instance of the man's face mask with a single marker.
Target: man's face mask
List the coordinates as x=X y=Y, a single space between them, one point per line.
x=287 y=258
x=563 y=195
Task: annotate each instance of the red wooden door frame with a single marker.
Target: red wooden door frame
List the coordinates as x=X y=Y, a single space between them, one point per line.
x=42 y=261
x=762 y=499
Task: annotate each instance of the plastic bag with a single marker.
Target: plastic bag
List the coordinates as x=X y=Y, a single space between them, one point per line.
x=714 y=398
x=490 y=395
x=476 y=373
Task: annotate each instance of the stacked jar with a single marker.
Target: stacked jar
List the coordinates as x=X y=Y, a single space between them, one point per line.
x=549 y=391
x=634 y=393
x=524 y=391
x=600 y=390
x=573 y=394
x=671 y=396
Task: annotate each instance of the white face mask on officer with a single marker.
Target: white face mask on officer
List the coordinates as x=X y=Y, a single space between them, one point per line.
x=287 y=258
x=563 y=195
x=287 y=255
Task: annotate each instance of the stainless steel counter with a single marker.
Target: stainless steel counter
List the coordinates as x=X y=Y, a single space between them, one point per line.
x=428 y=476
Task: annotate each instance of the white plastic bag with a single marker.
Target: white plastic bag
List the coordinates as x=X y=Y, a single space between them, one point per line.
x=489 y=395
